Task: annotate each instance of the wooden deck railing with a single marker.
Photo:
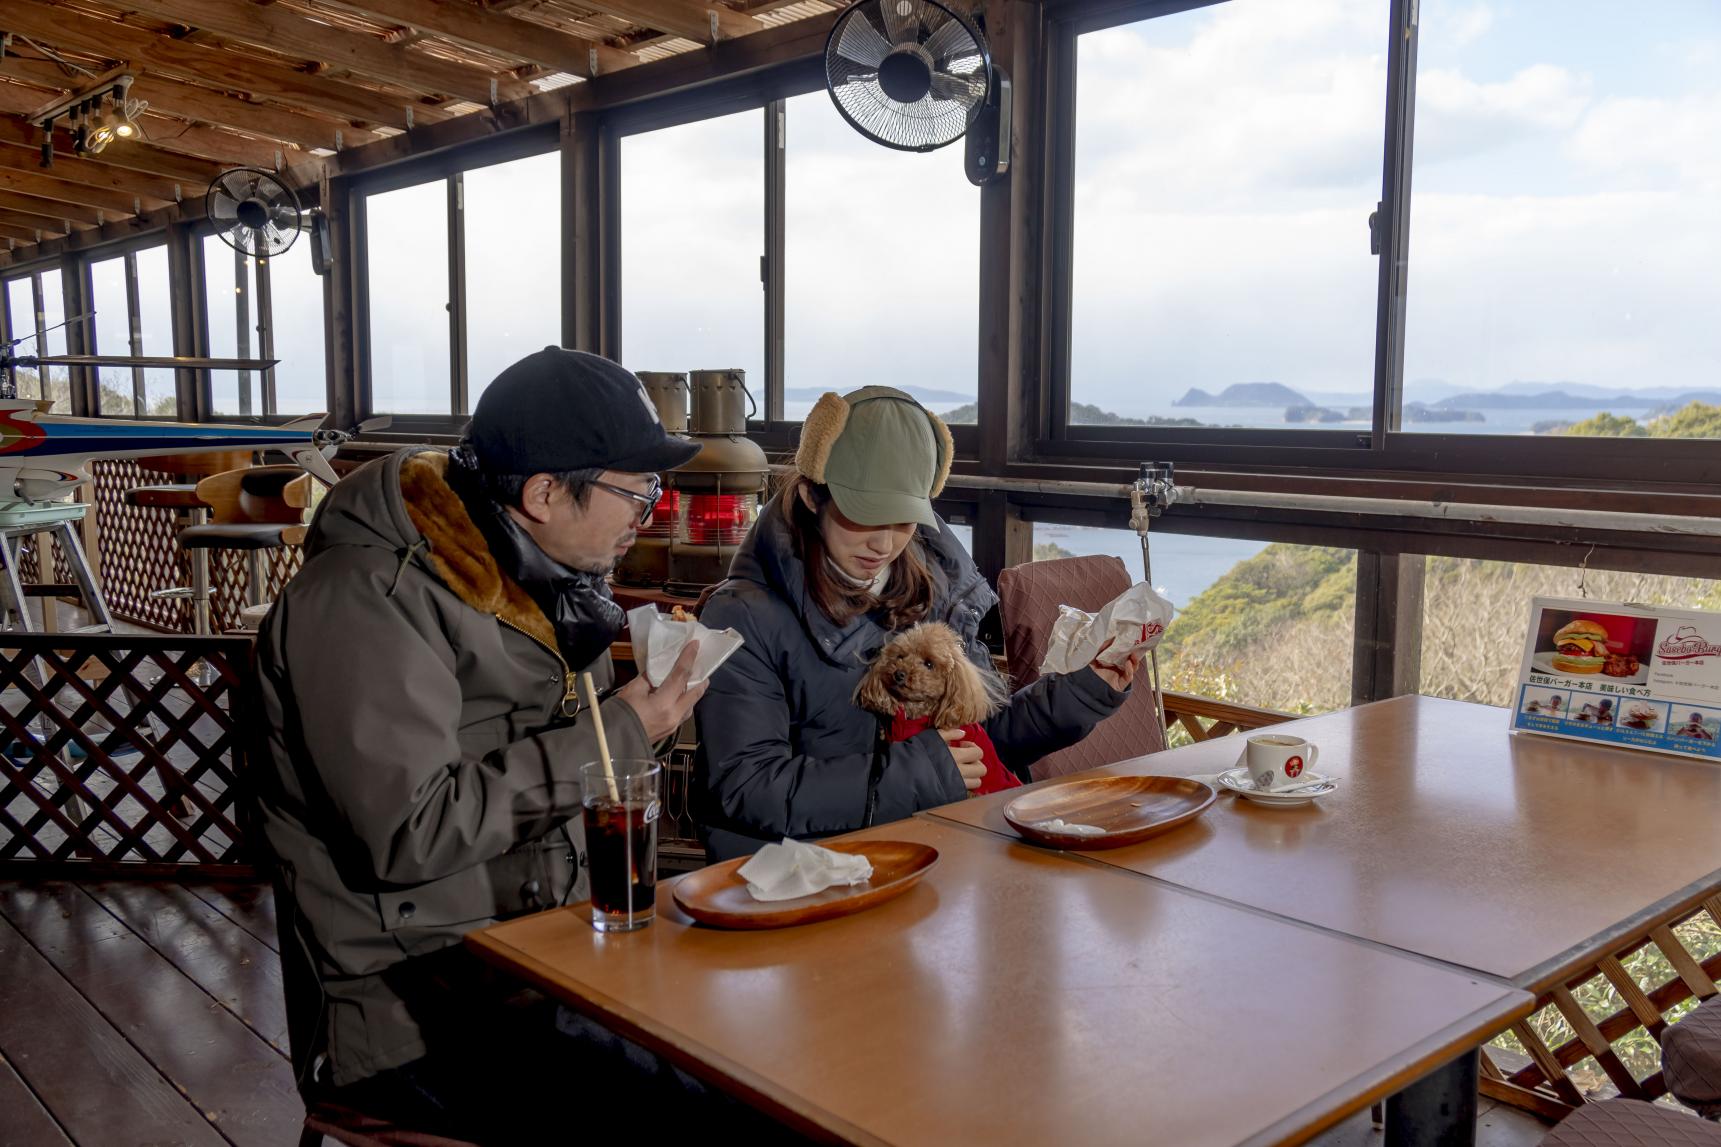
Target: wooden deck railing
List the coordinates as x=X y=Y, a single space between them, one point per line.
x=1222 y=718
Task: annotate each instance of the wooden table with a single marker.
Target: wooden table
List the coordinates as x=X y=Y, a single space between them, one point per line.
x=1517 y=856
x=1022 y=996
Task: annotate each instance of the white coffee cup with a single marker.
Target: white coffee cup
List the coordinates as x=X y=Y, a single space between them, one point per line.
x=1279 y=761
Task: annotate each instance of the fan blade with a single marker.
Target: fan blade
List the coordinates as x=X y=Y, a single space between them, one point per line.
x=965 y=90
x=860 y=42
x=285 y=215
x=901 y=20
x=951 y=40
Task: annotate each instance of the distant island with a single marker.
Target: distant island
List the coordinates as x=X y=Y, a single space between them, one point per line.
x=1558 y=399
x=1081 y=414
x=921 y=393
x=1245 y=394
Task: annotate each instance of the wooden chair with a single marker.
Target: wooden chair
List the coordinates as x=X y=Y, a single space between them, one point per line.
x=255 y=510
x=1029 y=596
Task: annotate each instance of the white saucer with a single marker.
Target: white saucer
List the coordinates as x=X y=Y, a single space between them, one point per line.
x=1237 y=780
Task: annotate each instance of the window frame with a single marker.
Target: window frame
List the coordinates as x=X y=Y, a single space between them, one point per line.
x=447 y=167
x=128 y=250
x=31 y=275
x=1386 y=447
x=264 y=328
x=766 y=91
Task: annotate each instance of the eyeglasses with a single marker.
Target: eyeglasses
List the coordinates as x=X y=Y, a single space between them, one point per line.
x=648 y=499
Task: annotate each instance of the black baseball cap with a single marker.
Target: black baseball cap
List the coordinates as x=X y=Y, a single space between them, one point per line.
x=559 y=409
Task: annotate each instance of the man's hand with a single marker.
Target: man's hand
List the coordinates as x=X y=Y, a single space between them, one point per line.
x=662 y=711
x=969 y=760
x=1119 y=677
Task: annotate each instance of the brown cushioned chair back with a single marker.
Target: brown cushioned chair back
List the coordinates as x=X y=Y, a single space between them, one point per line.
x=1029 y=596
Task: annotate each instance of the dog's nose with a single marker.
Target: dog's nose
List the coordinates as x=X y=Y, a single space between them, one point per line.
x=901 y=677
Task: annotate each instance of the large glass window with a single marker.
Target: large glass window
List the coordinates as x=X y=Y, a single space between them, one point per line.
x=498 y=280
x=1256 y=624
x=284 y=321
x=1227 y=159
x=882 y=266
x=692 y=238
x=513 y=214
x=19 y=300
x=1475 y=613
x=1564 y=231
x=155 y=330
x=406 y=241
x=111 y=335
x=132 y=296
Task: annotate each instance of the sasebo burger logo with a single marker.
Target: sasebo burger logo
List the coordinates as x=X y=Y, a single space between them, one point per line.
x=1687 y=644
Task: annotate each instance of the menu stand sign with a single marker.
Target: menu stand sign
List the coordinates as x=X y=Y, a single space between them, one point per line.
x=1634 y=675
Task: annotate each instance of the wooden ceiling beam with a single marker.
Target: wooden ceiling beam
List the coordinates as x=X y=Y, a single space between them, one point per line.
x=60 y=28
x=26 y=234
x=219 y=149
x=689 y=19
x=190 y=102
x=47 y=186
x=131 y=184
x=498 y=32
x=49 y=226
x=16 y=204
x=286 y=31
x=130 y=154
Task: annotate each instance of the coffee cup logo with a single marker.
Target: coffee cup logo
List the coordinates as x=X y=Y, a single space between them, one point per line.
x=1294 y=767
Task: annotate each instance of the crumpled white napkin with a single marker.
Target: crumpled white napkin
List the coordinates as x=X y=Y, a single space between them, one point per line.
x=1064 y=828
x=792 y=869
x=1135 y=618
x=658 y=640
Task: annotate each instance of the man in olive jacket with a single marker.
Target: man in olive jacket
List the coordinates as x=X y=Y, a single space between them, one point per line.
x=424 y=734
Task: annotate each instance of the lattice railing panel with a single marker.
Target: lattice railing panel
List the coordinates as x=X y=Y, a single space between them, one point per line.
x=1598 y=1033
x=139 y=549
x=29 y=566
x=229 y=575
x=121 y=750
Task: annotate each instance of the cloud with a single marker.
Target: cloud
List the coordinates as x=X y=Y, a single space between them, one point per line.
x=1457 y=116
x=1649 y=143
x=1470 y=24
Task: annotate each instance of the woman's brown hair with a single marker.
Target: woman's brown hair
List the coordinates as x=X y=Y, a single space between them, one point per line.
x=907 y=597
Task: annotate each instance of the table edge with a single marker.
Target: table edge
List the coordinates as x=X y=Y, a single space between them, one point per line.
x=695 y=1058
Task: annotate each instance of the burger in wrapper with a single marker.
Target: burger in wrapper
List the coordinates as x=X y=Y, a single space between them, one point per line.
x=1580 y=647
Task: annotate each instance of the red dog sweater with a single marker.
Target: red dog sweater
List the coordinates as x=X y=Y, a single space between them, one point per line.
x=997 y=776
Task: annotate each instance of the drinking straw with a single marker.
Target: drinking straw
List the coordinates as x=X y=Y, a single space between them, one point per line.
x=603 y=742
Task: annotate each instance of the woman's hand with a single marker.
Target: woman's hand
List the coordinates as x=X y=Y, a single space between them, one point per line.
x=969 y=760
x=1119 y=677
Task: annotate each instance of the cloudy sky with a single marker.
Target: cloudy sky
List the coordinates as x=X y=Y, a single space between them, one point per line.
x=1564 y=225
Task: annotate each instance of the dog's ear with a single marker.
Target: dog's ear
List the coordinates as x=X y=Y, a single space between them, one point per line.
x=969 y=696
x=873 y=695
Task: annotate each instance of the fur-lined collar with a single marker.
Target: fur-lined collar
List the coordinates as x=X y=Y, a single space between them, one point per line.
x=458 y=552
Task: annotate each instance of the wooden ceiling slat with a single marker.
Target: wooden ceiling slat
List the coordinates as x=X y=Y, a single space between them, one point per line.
x=498 y=31
x=149 y=188
x=283 y=30
x=687 y=18
x=190 y=102
x=15 y=204
x=50 y=187
x=25 y=234
x=59 y=28
x=130 y=155
x=48 y=225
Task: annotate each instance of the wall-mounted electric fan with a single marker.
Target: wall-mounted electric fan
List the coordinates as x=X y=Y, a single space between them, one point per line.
x=253 y=212
x=913 y=75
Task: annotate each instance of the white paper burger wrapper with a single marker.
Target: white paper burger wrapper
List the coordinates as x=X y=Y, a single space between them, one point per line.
x=793 y=869
x=1133 y=621
x=658 y=640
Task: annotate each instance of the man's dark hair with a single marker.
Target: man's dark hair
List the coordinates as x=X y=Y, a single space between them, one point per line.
x=505 y=489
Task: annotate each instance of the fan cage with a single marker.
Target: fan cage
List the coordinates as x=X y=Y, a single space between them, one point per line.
x=232 y=188
x=962 y=72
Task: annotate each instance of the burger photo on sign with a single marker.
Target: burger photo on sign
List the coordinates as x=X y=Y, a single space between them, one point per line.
x=1591 y=647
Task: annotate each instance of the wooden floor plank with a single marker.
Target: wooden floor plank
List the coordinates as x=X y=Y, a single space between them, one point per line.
x=249 y=905
x=241 y=1084
x=96 y=1084
x=220 y=957
x=24 y=1122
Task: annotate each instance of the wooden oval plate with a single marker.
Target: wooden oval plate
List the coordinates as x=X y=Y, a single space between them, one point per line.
x=1129 y=809
x=718 y=896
